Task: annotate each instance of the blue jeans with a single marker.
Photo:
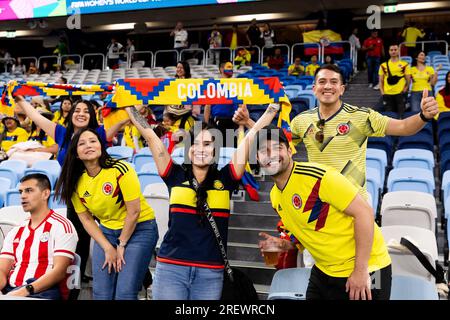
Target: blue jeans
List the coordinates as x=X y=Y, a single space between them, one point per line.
x=373 y=64
x=52 y=293
x=124 y=285
x=175 y=282
x=415 y=99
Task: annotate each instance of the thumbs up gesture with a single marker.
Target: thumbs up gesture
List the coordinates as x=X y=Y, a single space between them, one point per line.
x=428 y=105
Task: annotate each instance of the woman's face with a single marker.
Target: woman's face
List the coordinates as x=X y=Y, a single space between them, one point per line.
x=88 y=147
x=421 y=57
x=201 y=152
x=448 y=78
x=81 y=116
x=180 y=71
x=66 y=106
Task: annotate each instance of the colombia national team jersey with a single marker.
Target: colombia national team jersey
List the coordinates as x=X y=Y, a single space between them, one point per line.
x=11 y=138
x=105 y=195
x=190 y=240
x=311 y=207
x=345 y=139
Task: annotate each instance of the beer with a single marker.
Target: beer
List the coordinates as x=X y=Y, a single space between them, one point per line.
x=271 y=256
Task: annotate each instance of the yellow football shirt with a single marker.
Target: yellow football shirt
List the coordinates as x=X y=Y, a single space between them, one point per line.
x=399 y=68
x=104 y=195
x=441 y=104
x=58 y=118
x=345 y=139
x=421 y=79
x=311 y=69
x=296 y=71
x=11 y=138
x=46 y=141
x=411 y=34
x=311 y=207
x=129 y=132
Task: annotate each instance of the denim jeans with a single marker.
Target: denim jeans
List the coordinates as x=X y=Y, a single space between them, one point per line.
x=415 y=99
x=175 y=282
x=124 y=285
x=52 y=293
x=373 y=64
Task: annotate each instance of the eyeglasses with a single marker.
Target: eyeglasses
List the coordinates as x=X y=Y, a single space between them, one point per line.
x=319 y=134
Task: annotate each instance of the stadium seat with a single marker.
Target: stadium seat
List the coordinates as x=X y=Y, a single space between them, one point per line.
x=148 y=178
x=4 y=186
x=407 y=59
x=227 y=152
x=12 y=198
x=445 y=185
x=178 y=155
x=374 y=186
x=51 y=166
x=404 y=179
x=44 y=172
x=421 y=140
x=121 y=152
x=413 y=158
x=13 y=214
x=289 y=284
x=377 y=159
x=9 y=174
x=157 y=197
x=383 y=143
x=403 y=261
x=19 y=166
x=149 y=167
x=445 y=160
x=142 y=158
x=412 y=288
x=409 y=208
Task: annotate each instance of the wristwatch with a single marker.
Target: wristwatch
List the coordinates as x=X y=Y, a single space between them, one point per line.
x=424 y=119
x=121 y=243
x=30 y=288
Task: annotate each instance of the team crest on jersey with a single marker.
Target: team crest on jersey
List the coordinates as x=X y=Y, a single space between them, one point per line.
x=45 y=236
x=107 y=188
x=296 y=201
x=343 y=128
x=218 y=185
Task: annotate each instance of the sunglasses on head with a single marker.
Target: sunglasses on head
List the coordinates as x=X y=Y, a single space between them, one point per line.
x=319 y=134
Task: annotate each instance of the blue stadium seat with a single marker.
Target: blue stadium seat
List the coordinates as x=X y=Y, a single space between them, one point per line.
x=44 y=172
x=377 y=159
x=51 y=166
x=413 y=158
x=19 y=166
x=374 y=186
x=55 y=203
x=145 y=151
x=121 y=152
x=289 y=284
x=149 y=167
x=445 y=161
x=412 y=288
x=310 y=96
x=407 y=59
x=178 y=155
x=12 y=198
x=140 y=159
x=445 y=185
x=148 y=178
x=9 y=174
x=227 y=152
x=383 y=143
x=421 y=140
x=405 y=179
x=4 y=187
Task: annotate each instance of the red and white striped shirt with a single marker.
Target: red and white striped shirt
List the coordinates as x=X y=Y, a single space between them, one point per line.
x=33 y=249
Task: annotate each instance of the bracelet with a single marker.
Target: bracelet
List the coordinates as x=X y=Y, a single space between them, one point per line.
x=424 y=119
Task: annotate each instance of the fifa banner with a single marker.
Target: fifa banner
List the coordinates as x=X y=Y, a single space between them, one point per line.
x=324 y=37
x=130 y=92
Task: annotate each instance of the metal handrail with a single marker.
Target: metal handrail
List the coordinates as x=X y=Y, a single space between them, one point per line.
x=7 y=61
x=248 y=47
x=352 y=51
x=208 y=52
x=152 y=57
x=165 y=51
x=283 y=45
x=94 y=55
x=194 y=50
x=425 y=42
x=319 y=51
x=47 y=57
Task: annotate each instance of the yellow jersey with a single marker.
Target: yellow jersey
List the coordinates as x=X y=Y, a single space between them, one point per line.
x=11 y=138
x=296 y=70
x=411 y=34
x=311 y=69
x=58 y=118
x=104 y=195
x=129 y=132
x=311 y=207
x=345 y=139
x=421 y=80
x=443 y=107
x=399 y=68
x=46 y=141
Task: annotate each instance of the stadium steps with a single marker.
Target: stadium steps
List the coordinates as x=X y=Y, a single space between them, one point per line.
x=358 y=93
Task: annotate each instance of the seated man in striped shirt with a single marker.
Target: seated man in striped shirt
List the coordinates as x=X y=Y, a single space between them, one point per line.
x=36 y=254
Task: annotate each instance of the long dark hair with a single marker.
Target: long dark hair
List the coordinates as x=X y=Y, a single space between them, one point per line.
x=186 y=68
x=93 y=124
x=414 y=62
x=211 y=176
x=61 y=112
x=73 y=167
x=447 y=85
x=42 y=133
